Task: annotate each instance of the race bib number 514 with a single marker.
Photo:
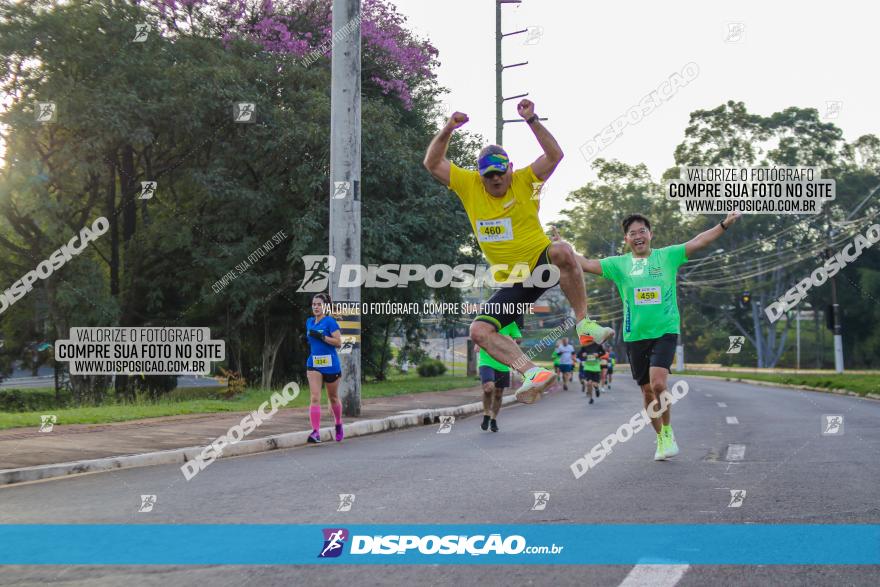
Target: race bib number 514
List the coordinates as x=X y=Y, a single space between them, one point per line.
x=647 y=295
x=494 y=230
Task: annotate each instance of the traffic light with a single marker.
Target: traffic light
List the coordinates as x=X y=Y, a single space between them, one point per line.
x=746 y=298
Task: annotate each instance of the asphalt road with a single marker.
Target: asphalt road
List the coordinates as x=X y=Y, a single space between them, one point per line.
x=791 y=473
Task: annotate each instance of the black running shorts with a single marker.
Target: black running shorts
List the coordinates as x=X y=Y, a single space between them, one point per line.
x=589 y=376
x=328 y=377
x=651 y=352
x=502 y=308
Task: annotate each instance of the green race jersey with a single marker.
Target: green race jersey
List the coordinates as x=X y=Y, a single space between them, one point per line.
x=511 y=330
x=647 y=287
x=590 y=357
x=555 y=356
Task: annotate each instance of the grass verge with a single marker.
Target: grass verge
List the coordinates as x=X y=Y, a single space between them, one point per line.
x=859 y=383
x=185 y=401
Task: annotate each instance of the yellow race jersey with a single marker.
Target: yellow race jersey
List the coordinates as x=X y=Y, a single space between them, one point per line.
x=507 y=228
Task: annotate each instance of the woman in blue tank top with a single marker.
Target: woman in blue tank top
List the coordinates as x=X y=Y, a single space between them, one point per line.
x=322 y=366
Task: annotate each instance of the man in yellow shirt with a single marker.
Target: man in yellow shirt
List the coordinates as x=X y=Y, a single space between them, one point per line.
x=503 y=213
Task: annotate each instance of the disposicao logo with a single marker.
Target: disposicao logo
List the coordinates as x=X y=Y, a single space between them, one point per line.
x=334 y=541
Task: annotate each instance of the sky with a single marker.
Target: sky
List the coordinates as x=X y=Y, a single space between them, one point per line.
x=594 y=60
x=589 y=62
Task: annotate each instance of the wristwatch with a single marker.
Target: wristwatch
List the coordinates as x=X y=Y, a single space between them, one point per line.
x=722 y=225
x=531 y=119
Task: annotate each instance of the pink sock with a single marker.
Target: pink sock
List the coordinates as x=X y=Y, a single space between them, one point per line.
x=337 y=412
x=315 y=417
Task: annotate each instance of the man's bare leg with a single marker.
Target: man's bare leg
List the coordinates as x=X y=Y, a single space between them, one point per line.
x=571 y=277
x=501 y=348
x=659 y=376
x=496 y=402
x=488 y=391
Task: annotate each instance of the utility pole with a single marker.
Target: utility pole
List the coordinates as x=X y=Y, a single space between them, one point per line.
x=835 y=307
x=345 y=186
x=499 y=69
x=838 y=328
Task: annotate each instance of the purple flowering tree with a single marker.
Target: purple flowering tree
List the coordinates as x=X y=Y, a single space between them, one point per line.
x=395 y=62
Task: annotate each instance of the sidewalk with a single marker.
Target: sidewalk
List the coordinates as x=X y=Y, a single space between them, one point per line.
x=28 y=447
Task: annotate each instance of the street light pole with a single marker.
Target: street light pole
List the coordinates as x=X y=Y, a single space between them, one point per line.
x=345 y=184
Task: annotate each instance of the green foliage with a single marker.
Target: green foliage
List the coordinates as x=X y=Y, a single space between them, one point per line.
x=162 y=110
x=30 y=400
x=431 y=368
x=763 y=254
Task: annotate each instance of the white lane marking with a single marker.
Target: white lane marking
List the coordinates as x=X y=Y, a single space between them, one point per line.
x=736 y=452
x=654 y=575
x=732 y=420
x=722 y=404
x=708 y=395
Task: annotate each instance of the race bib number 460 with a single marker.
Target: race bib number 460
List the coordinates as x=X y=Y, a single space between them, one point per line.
x=494 y=230
x=647 y=295
x=322 y=361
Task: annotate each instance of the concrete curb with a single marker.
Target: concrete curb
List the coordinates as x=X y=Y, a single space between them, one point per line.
x=180 y=456
x=789 y=386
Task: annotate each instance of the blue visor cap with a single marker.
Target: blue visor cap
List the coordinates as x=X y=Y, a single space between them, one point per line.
x=494 y=162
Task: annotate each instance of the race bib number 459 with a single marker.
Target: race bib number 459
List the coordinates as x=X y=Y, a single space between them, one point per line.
x=647 y=295
x=494 y=230
x=322 y=361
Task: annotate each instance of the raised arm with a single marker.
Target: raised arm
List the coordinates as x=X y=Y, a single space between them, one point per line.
x=587 y=265
x=705 y=238
x=435 y=159
x=544 y=165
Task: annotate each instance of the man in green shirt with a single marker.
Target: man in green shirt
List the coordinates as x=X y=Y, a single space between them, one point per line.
x=590 y=358
x=646 y=281
x=495 y=377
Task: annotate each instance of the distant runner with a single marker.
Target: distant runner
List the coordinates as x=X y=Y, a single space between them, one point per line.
x=612 y=358
x=495 y=378
x=503 y=212
x=555 y=356
x=588 y=356
x=566 y=362
x=646 y=280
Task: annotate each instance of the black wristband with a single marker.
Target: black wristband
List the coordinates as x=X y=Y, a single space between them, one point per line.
x=531 y=119
x=721 y=224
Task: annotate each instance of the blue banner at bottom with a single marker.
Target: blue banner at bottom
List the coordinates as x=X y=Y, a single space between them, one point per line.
x=274 y=544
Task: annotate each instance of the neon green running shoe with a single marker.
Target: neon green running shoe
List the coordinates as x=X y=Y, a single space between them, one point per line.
x=660 y=453
x=590 y=331
x=671 y=448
